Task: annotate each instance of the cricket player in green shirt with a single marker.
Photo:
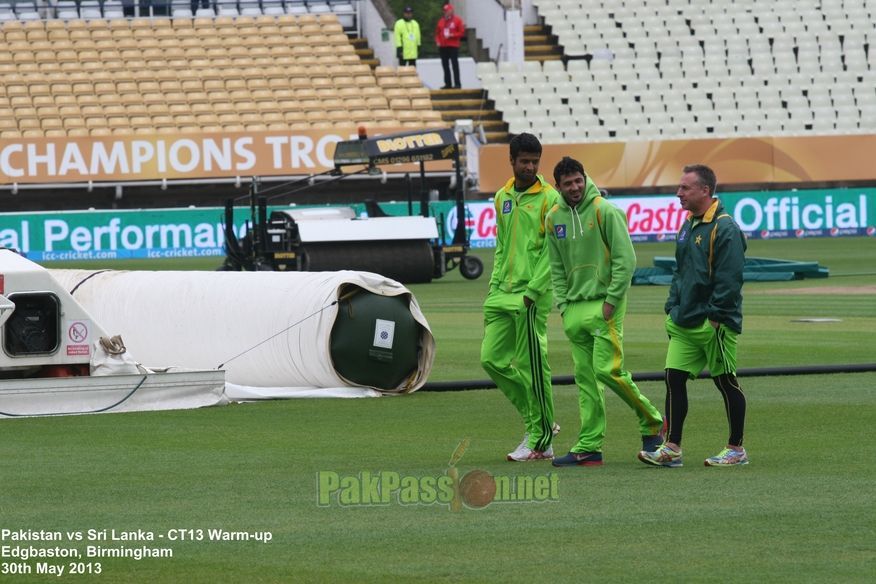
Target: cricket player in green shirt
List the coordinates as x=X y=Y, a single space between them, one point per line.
x=592 y=263
x=514 y=350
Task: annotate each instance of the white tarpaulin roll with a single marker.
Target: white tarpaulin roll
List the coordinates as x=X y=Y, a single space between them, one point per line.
x=248 y=321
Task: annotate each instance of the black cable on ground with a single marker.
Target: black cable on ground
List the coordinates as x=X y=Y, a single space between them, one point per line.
x=658 y=376
x=97 y=411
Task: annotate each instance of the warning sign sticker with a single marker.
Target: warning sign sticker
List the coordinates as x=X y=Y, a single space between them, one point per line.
x=78 y=338
x=78 y=332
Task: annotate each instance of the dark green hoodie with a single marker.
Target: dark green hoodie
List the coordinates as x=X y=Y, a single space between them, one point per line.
x=592 y=257
x=707 y=283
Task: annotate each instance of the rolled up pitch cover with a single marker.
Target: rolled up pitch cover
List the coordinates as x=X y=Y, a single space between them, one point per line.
x=268 y=329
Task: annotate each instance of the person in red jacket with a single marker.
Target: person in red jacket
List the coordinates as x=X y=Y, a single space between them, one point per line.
x=448 y=33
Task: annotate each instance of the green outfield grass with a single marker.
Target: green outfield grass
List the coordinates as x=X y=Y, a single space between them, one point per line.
x=453 y=307
x=802 y=510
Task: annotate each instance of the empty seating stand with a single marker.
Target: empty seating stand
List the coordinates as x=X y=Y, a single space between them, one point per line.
x=347 y=11
x=120 y=76
x=664 y=69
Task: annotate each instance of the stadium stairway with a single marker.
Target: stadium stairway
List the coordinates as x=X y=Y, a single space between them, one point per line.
x=539 y=44
x=365 y=52
x=471 y=104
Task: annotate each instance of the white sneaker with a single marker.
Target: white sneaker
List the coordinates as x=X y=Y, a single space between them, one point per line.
x=527 y=454
x=521 y=448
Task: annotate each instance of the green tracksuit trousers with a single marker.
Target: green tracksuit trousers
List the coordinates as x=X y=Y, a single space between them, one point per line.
x=597 y=350
x=514 y=355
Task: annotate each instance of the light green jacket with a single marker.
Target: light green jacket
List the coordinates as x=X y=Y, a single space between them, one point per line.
x=591 y=254
x=521 y=263
x=407 y=36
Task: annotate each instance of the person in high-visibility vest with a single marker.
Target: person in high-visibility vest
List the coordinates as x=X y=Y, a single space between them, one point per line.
x=407 y=38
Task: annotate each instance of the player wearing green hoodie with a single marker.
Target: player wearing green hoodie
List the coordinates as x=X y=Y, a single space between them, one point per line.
x=592 y=263
x=514 y=350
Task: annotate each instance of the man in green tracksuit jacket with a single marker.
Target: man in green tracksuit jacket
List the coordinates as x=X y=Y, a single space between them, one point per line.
x=514 y=350
x=592 y=263
x=704 y=316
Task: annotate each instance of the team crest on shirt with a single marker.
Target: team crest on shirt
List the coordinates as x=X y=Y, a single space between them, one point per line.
x=506 y=207
x=560 y=230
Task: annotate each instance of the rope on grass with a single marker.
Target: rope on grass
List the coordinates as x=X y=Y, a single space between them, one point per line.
x=658 y=376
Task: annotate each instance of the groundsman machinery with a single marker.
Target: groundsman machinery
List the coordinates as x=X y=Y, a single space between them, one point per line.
x=409 y=249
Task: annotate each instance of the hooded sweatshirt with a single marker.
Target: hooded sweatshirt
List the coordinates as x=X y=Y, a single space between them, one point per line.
x=521 y=263
x=591 y=255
